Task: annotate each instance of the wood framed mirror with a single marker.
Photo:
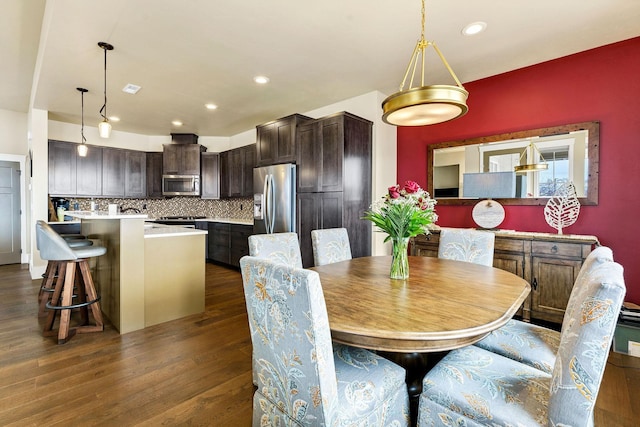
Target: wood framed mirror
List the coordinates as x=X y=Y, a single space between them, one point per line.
x=570 y=151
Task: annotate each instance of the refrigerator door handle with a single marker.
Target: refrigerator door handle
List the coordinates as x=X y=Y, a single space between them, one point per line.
x=266 y=204
x=271 y=205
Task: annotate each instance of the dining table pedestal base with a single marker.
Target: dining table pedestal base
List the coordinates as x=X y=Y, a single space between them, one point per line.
x=416 y=365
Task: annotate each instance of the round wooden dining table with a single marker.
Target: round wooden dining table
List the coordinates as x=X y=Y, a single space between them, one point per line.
x=443 y=305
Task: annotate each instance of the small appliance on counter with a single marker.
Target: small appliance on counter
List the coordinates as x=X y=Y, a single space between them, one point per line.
x=60 y=205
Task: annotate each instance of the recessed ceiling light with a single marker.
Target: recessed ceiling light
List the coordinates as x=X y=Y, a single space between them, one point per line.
x=211 y=106
x=474 y=28
x=114 y=118
x=261 y=80
x=176 y=123
x=131 y=88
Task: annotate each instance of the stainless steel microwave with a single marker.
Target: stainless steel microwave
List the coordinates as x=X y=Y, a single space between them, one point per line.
x=180 y=185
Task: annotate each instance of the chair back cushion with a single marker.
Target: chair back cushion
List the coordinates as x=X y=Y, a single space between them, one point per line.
x=282 y=248
x=597 y=257
x=291 y=339
x=467 y=245
x=584 y=345
x=330 y=245
x=52 y=247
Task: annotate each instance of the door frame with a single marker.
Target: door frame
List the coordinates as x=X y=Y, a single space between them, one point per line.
x=26 y=252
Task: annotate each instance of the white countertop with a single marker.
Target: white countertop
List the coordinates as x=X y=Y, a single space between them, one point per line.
x=104 y=215
x=161 y=230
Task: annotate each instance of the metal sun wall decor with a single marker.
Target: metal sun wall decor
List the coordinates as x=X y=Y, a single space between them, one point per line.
x=563 y=208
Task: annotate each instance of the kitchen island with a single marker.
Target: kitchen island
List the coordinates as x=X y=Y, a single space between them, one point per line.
x=150 y=274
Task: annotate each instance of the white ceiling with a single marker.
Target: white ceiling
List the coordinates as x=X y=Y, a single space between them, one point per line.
x=190 y=52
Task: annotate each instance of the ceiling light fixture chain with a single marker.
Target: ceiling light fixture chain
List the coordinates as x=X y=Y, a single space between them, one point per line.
x=424 y=105
x=104 y=126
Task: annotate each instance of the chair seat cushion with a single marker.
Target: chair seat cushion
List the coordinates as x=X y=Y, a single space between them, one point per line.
x=365 y=382
x=472 y=386
x=530 y=344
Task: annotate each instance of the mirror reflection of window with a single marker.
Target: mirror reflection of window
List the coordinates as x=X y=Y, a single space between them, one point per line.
x=557 y=173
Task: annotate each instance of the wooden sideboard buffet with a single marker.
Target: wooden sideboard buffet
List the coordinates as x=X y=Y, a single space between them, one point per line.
x=549 y=262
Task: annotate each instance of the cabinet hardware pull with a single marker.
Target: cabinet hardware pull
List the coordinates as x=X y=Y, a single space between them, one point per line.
x=534 y=284
x=554 y=249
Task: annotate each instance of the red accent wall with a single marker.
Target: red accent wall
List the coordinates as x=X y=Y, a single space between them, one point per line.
x=601 y=84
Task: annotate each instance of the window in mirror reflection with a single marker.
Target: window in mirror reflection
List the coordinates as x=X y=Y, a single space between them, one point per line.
x=565 y=155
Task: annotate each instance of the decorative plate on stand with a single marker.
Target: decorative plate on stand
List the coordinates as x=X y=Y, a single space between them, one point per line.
x=488 y=214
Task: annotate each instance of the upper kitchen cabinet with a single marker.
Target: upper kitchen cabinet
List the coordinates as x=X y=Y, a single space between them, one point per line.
x=276 y=141
x=236 y=172
x=332 y=151
x=113 y=167
x=135 y=174
x=72 y=175
x=210 y=176
x=62 y=168
x=89 y=173
x=182 y=156
x=154 y=174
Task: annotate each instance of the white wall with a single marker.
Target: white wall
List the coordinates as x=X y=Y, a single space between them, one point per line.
x=13 y=133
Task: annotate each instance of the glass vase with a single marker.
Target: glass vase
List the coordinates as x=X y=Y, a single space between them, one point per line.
x=400 y=260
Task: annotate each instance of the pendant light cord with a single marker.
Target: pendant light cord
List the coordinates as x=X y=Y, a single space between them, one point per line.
x=104 y=107
x=82 y=115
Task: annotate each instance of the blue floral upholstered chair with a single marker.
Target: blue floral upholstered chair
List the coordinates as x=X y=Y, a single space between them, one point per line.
x=472 y=386
x=282 y=248
x=535 y=345
x=467 y=245
x=304 y=379
x=330 y=245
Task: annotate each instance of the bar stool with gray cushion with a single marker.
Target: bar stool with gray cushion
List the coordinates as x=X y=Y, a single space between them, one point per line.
x=282 y=248
x=54 y=248
x=330 y=245
x=51 y=272
x=467 y=245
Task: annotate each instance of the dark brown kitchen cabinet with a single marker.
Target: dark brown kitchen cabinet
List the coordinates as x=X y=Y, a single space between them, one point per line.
x=113 y=168
x=276 y=140
x=236 y=172
x=210 y=176
x=318 y=211
x=89 y=173
x=218 y=242
x=154 y=174
x=549 y=262
x=239 y=242
x=334 y=163
x=204 y=225
x=181 y=159
x=62 y=168
x=135 y=174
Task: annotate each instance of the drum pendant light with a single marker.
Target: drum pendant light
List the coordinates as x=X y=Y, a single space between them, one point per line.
x=424 y=105
x=104 y=127
x=82 y=147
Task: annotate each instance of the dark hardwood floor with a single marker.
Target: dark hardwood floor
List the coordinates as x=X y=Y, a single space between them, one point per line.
x=192 y=371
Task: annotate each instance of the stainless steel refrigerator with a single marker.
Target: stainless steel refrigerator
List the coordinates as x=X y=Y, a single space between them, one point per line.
x=274 y=199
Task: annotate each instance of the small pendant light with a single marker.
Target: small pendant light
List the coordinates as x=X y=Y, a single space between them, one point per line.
x=104 y=127
x=82 y=147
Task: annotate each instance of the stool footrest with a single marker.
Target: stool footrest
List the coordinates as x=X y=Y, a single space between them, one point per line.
x=72 y=306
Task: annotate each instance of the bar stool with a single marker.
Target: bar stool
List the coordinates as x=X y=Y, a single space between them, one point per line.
x=51 y=272
x=54 y=248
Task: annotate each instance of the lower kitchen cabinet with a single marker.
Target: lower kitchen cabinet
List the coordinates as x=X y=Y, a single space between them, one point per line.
x=204 y=225
x=219 y=242
x=227 y=243
x=549 y=262
x=239 y=242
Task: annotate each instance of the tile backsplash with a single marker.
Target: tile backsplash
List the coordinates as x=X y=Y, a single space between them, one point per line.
x=240 y=209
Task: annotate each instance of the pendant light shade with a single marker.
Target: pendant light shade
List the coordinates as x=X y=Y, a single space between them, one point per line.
x=424 y=105
x=82 y=147
x=104 y=127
